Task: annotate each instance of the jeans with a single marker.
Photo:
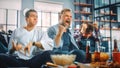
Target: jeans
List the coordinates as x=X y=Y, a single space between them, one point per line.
x=3 y=49
x=80 y=55
x=35 y=62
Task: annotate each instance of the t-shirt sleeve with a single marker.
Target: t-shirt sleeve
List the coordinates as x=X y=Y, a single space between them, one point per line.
x=46 y=41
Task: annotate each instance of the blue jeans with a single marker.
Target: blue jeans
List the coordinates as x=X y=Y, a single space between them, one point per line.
x=36 y=62
x=3 y=49
x=80 y=55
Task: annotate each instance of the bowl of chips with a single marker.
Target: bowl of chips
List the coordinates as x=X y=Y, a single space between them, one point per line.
x=63 y=59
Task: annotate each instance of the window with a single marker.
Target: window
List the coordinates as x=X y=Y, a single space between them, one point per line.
x=9 y=19
x=46 y=19
x=48 y=14
x=2 y=19
x=54 y=18
x=9 y=14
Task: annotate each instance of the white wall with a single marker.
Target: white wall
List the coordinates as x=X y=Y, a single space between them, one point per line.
x=10 y=4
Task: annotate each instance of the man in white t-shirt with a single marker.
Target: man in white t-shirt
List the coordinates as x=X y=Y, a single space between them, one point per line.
x=25 y=42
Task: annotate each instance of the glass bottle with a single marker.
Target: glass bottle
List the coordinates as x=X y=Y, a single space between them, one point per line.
x=115 y=52
x=88 y=54
x=97 y=52
x=115 y=46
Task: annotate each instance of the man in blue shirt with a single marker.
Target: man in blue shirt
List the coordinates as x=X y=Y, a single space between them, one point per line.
x=63 y=36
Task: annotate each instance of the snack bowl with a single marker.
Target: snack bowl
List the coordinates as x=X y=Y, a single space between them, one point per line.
x=63 y=59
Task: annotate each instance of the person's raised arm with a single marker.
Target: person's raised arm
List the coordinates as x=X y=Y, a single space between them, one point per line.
x=58 y=36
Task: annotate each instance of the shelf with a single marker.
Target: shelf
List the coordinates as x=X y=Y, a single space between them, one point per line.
x=109 y=28
x=107 y=16
x=101 y=7
x=113 y=14
x=82 y=4
x=112 y=21
x=76 y=29
x=77 y=20
x=82 y=12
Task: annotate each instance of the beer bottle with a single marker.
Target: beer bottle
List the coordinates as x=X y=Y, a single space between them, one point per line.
x=115 y=46
x=97 y=51
x=88 y=54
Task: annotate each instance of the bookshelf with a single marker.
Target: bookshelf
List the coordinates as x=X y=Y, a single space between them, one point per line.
x=83 y=11
x=107 y=16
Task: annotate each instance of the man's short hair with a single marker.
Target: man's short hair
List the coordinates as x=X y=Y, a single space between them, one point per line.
x=65 y=10
x=28 y=12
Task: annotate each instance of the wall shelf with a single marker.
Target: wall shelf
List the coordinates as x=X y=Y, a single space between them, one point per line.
x=109 y=28
x=112 y=21
x=82 y=4
x=83 y=11
x=106 y=15
x=82 y=21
